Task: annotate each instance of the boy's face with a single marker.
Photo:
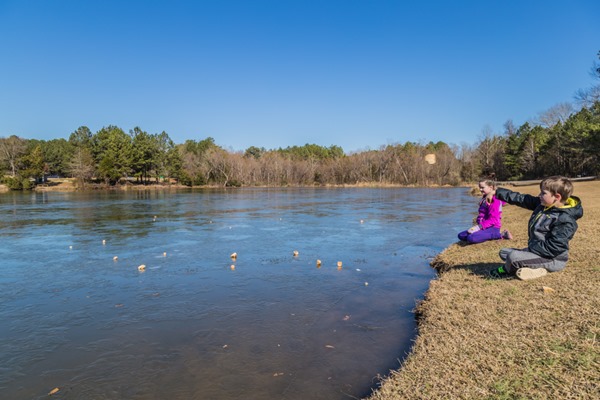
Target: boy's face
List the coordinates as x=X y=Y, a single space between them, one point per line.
x=548 y=199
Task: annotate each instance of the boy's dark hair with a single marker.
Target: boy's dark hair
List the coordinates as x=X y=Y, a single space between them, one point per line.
x=558 y=185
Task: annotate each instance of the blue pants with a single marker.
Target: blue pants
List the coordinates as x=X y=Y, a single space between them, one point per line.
x=481 y=236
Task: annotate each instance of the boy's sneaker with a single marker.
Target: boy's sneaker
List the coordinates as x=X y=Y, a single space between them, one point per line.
x=499 y=273
x=526 y=274
x=506 y=235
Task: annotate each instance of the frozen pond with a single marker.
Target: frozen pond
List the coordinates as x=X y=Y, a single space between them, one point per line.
x=190 y=326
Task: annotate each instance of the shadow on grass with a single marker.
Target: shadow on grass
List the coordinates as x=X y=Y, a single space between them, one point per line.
x=478 y=269
x=52 y=184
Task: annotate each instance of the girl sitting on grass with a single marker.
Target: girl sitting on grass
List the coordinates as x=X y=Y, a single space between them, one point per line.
x=488 y=220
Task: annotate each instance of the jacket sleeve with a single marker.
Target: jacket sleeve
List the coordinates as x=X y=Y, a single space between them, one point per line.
x=557 y=240
x=518 y=199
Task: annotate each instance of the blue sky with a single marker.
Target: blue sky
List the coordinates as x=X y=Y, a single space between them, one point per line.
x=353 y=73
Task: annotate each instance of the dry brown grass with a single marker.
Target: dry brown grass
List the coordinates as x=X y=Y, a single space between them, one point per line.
x=509 y=339
x=58 y=185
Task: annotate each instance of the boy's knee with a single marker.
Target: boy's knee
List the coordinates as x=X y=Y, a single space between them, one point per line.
x=504 y=252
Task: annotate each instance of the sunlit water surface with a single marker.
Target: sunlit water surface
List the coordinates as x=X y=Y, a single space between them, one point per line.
x=190 y=326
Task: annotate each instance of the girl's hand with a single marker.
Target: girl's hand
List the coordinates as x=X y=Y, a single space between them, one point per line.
x=474 y=229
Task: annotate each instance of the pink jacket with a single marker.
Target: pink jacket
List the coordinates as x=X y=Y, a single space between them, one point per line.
x=490 y=214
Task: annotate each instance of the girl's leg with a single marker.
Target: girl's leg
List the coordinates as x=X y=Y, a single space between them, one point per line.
x=484 y=235
x=463 y=235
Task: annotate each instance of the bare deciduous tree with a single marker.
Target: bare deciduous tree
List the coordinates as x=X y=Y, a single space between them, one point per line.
x=555 y=114
x=488 y=149
x=587 y=97
x=11 y=149
x=82 y=165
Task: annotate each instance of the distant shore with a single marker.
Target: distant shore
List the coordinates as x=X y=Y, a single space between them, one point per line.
x=508 y=339
x=69 y=185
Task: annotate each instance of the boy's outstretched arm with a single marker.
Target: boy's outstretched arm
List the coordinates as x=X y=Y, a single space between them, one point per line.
x=518 y=199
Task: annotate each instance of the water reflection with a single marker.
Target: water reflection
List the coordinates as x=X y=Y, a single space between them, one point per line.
x=189 y=326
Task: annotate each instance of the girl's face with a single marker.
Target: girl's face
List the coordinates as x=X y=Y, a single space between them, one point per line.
x=485 y=189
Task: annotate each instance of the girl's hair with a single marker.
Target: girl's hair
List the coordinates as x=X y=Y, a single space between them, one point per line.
x=489 y=180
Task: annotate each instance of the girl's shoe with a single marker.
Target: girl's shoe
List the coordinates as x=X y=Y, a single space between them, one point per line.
x=526 y=274
x=506 y=235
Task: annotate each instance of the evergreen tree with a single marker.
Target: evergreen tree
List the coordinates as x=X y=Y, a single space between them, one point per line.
x=113 y=153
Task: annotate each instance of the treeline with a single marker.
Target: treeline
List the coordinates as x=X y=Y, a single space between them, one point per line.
x=564 y=143
x=561 y=142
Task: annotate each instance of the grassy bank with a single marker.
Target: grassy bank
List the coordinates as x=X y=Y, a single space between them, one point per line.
x=509 y=339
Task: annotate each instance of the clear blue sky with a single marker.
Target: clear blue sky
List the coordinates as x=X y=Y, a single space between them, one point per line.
x=354 y=73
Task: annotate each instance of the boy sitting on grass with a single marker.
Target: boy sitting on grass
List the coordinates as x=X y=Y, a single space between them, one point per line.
x=551 y=226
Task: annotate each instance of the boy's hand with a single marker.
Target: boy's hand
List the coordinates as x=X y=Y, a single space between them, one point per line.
x=474 y=229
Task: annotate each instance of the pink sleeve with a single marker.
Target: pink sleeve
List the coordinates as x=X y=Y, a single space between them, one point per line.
x=494 y=215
